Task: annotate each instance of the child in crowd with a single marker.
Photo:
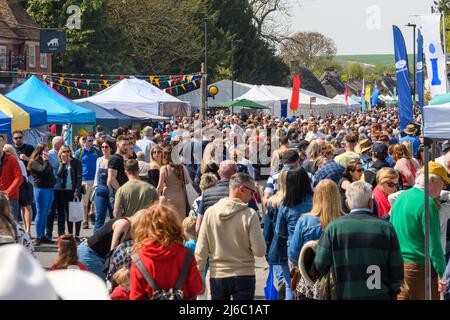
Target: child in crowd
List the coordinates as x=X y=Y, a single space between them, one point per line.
x=122 y=291
x=67 y=254
x=189 y=232
x=191 y=242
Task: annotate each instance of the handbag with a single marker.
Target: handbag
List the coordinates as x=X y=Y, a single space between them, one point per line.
x=93 y=193
x=190 y=192
x=270 y=292
x=75 y=211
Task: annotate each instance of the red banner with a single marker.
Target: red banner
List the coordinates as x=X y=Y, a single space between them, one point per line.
x=346 y=94
x=295 y=93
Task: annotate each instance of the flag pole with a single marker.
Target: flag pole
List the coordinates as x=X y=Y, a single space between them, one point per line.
x=444 y=34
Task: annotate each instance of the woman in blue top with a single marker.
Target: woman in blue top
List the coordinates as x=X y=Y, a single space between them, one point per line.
x=326 y=208
x=298 y=200
x=101 y=199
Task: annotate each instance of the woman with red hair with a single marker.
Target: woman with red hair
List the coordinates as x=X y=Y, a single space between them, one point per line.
x=159 y=245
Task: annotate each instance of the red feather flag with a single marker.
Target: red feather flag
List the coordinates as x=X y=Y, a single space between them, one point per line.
x=346 y=94
x=295 y=93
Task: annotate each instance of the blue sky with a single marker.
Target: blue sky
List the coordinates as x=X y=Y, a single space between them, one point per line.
x=358 y=26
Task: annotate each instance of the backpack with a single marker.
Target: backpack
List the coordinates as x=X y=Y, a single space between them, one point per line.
x=174 y=293
x=81 y=153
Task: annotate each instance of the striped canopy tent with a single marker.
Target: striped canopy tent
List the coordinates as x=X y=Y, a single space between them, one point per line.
x=16 y=116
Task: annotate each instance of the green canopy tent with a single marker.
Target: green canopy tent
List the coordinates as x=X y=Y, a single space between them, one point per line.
x=244 y=103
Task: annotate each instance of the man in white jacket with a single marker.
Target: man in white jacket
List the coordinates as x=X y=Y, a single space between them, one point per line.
x=231 y=237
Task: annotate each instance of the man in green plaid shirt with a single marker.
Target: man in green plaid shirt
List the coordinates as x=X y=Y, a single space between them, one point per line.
x=362 y=249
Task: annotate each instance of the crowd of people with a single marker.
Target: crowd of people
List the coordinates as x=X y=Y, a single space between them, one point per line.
x=329 y=202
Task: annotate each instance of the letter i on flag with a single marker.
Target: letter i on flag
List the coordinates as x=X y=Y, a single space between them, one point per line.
x=295 y=93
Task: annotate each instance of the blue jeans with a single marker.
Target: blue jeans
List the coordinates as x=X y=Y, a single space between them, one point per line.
x=43 y=199
x=91 y=260
x=102 y=205
x=15 y=209
x=240 y=288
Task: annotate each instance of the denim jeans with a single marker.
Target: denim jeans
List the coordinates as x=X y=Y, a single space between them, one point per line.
x=91 y=260
x=15 y=209
x=102 y=205
x=43 y=199
x=240 y=288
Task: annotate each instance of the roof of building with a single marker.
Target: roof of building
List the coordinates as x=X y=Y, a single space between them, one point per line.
x=16 y=23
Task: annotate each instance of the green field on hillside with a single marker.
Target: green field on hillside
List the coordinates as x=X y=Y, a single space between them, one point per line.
x=384 y=59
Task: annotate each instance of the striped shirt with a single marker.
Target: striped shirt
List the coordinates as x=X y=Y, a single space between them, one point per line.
x=365 y=254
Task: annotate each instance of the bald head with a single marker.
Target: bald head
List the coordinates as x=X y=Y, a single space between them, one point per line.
x=57 y=142
x=226 y=169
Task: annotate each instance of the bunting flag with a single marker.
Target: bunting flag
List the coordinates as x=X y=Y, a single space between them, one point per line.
x=88 y=82
x=184 y=88
x=44 y=76
x=169 y=82
x=79 y=92
x=170 y=90
x=295 y=92
x=157 y=82
x=75 y=83
x=105 y=82
x=68 y=90
x=79 y=83
x=51 y=84
x=121 y=77
x=61 y=80
x=84 y=93
x=152 y=78
x=67 y=82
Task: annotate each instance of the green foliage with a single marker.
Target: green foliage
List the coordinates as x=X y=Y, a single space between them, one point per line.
x=161 y=37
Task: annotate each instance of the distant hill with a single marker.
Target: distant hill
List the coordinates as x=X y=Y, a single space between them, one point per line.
x=370 y=59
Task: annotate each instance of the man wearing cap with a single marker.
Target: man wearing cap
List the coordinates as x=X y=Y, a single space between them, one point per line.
x=410 y=132
x=349 y=155
x=146 y=144
x=363 y=148
x=379 y=154
x=408 y=219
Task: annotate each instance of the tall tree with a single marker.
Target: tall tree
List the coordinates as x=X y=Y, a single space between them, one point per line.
x=254 y=59
x=312 y=49
x=95 y=47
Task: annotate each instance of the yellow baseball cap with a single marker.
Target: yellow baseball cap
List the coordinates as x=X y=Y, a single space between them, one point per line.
x=438 y=170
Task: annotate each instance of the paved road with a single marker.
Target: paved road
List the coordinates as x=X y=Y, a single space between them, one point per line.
x=47 y=254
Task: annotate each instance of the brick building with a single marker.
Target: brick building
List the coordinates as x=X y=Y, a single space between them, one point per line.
x=19 y=44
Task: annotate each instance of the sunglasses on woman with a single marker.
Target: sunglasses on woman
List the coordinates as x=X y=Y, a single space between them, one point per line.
x=391 y=184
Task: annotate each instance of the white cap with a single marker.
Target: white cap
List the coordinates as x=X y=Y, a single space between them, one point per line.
x=23 y=278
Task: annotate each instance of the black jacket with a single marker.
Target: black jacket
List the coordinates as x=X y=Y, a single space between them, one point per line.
x=42 y=174
x=76 y=175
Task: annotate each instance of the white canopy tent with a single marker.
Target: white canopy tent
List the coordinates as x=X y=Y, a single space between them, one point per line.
x=141 y=95
x=261 y=95
x=321 y=107
x=340 y=98
x=224 y=94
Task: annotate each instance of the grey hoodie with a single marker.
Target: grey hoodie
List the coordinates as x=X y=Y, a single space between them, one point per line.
x=231 y=237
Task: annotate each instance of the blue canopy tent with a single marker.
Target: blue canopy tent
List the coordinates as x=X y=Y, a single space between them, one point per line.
x=17 y=116
x=60 y=110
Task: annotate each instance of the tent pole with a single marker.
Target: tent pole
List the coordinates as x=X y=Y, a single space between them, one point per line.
x=427 y=227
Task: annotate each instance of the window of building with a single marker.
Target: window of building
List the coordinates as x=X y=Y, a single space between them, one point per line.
x=3 y=58
x=43 y=60
x=32 y=56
